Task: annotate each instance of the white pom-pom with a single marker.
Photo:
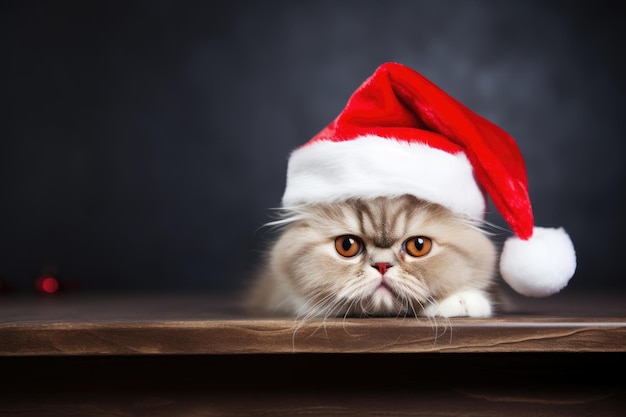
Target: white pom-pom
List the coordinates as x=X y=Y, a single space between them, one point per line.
x=541 y=265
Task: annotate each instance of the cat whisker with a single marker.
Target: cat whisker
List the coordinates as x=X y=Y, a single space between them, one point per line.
x=347 y=312
x=353 y=287
x=308 y=312
x=326 y=308
x=279 y=305
x=409 y=308
x=484 y=226
x=313 y=308
x=435 y=323
x=413 y=309
x=404 y=304
x=412 y=290
x=413 y=287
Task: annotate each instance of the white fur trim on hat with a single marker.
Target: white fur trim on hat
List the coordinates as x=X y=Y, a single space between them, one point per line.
x=372 y=166
x=541 y=265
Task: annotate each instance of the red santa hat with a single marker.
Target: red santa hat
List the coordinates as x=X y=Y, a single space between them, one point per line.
x=401 y=134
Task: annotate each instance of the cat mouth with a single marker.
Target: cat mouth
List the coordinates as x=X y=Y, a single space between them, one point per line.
x=383 y=300
x=385 y=288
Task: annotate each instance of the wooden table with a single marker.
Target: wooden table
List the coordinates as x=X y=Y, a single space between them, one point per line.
x=198 y=355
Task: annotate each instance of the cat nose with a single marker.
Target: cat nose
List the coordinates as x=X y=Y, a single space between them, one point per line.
x=382 y=267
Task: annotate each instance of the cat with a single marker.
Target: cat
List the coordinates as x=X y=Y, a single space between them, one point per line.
x=383 y=256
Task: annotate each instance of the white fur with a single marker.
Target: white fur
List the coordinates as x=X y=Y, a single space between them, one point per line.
x=470 y=303
x=541 y=265
x=372 y=166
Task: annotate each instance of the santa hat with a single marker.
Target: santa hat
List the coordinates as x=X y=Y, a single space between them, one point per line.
x=401 y=134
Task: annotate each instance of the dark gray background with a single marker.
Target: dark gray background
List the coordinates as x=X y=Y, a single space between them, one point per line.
x=144 y=142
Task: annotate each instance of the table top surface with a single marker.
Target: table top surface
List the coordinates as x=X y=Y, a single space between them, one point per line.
x=148 y=324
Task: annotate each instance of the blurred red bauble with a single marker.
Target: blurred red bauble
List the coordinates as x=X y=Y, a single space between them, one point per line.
x=47 y=284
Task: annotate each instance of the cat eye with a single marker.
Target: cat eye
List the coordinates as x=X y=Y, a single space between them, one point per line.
x=417 y=246
x=348 y=246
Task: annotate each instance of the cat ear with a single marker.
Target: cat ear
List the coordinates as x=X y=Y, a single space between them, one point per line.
x=540 y=265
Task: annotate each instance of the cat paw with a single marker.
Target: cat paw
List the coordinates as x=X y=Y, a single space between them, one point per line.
x=466 y=303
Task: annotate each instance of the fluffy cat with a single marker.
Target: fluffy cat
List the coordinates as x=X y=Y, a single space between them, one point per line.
x=377 y=257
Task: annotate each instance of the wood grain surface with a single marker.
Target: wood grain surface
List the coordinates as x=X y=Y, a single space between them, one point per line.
x=203 y=325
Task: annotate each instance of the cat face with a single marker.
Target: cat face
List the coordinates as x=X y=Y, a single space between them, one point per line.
x=377 y=257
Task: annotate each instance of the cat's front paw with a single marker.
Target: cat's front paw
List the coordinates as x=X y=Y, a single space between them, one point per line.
x=465 y=303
